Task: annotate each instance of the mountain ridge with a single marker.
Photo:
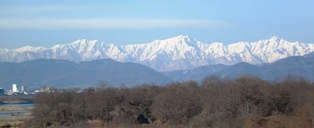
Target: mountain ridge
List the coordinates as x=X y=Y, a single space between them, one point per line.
x=177 y=53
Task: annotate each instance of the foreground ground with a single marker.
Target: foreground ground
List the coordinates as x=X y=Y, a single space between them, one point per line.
x=14 y=116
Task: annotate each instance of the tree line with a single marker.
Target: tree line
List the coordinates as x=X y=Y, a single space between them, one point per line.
x=246 y=101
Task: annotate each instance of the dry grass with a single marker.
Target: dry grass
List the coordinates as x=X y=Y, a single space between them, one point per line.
x=18 y=116
x=11 y=123
x=121 y=126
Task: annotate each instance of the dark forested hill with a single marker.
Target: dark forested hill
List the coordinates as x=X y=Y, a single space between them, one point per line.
x=297 y=65
x=63 y=73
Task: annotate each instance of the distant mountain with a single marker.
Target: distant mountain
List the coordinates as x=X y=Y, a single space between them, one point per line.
x=64 y=73
x=296 y=65
x=177 y=53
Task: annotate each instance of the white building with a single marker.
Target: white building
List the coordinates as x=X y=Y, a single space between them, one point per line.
x=14 y=88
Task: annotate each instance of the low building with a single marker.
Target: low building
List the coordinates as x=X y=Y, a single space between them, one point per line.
x=2 y=92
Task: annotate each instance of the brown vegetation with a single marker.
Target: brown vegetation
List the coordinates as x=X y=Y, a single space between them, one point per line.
x=243 y=102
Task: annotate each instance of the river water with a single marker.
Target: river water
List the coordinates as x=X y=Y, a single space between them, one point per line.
x=20 y=105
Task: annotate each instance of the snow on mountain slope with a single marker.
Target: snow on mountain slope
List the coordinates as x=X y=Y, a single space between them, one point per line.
x=177 y=53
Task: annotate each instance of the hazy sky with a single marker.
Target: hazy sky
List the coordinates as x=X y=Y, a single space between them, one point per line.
x=43 y=23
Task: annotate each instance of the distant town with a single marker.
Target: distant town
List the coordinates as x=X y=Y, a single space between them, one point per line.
x=22 y=91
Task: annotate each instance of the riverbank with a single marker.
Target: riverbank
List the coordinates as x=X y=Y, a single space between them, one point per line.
x=14 y=115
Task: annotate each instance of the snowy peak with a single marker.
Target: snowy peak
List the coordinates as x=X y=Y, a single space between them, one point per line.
x=177 y=53
x=183 y=40
x=29 y=49
x=175 y=48
x=275 y=39
x=180 y=38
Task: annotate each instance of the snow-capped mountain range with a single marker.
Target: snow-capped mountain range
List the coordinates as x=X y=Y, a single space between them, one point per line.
x=177 y=53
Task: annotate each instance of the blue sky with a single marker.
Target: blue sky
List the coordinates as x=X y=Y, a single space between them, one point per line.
x=47 y=23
